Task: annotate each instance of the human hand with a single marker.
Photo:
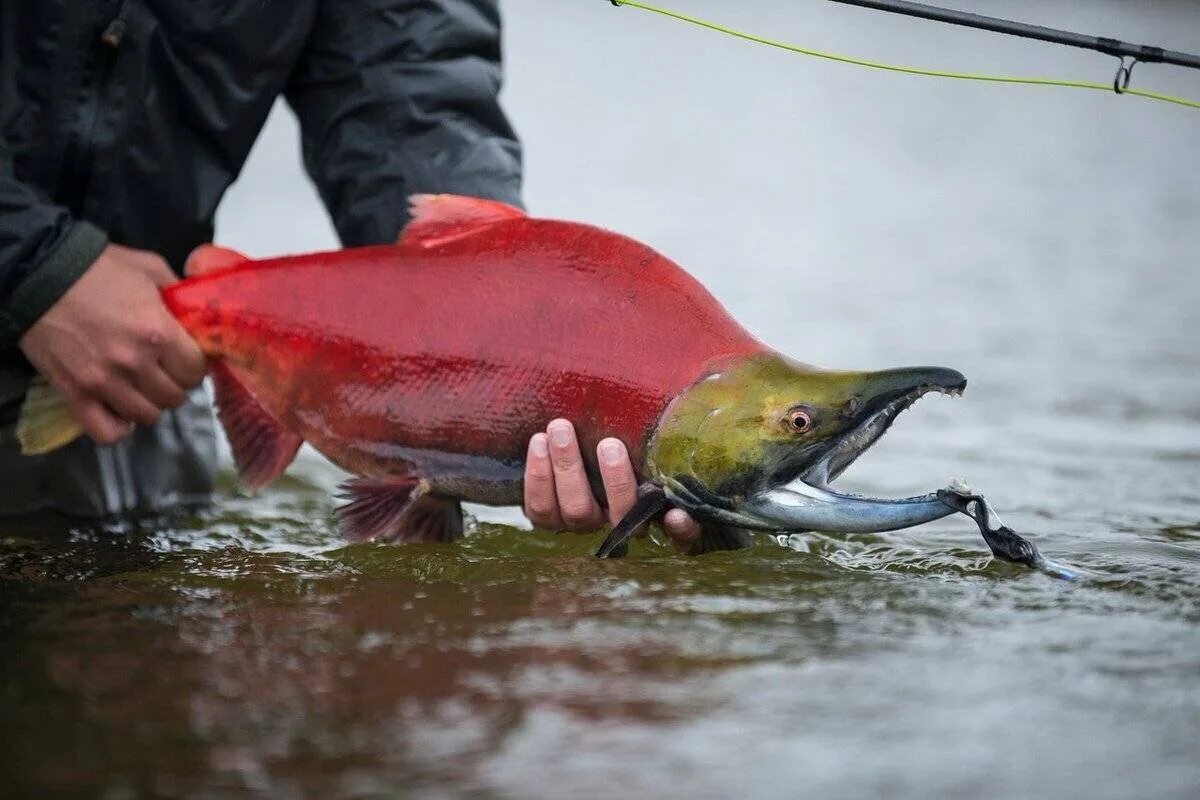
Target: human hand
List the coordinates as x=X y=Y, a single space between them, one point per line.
x=112 y=348
x=558 y=496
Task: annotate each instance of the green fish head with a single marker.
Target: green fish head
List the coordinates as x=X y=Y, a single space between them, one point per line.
x=757 y=440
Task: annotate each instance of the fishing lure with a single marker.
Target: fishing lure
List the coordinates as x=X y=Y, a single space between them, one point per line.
x=1005 y=543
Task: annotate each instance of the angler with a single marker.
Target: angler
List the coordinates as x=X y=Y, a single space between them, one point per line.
x=425 y=367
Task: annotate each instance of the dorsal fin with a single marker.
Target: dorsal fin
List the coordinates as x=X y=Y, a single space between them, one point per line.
x=210 y=258
x=440 y=218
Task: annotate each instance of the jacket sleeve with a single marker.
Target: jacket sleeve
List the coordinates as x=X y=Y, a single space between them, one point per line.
x=43 y=251
x=397 y=97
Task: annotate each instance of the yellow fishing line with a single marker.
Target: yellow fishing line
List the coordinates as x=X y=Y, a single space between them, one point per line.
x=935 y=73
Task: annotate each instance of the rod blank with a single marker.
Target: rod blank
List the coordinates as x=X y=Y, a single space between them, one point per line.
x=1112 y=47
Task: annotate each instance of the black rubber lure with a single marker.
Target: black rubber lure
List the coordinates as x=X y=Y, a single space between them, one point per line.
x=1005 y=543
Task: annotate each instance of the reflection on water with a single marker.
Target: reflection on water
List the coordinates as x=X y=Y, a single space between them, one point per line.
x=245 y=650
x=1039 y=242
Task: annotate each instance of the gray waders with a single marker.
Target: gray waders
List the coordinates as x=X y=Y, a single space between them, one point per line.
x=153 y=469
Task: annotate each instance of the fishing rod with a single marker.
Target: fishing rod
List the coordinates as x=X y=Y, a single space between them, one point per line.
x=1129 y=54
x=1102 y=44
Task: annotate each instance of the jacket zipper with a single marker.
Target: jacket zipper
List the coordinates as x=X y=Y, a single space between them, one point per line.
x=81 y=151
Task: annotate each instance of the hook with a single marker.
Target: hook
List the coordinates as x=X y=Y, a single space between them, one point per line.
x=1124 y=74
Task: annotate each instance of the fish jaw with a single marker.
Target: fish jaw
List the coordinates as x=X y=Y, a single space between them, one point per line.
x=808 y=502
x=800 y=506
x=888 y=394
x=723 y=452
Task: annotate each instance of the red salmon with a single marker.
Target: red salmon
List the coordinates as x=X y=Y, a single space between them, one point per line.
x=424 y=368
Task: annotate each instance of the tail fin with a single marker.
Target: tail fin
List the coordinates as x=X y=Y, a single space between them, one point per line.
x=45 y=422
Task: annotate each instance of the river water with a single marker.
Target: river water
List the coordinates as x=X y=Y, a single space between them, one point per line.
x=1042 y=241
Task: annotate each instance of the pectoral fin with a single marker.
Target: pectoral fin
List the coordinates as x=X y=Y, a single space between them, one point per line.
x=45 y=422
x=651 y=502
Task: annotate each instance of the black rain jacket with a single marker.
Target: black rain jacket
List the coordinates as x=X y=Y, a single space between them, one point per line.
x=126 y=121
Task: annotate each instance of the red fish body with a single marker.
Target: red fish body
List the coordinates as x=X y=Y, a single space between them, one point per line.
x=425 y=367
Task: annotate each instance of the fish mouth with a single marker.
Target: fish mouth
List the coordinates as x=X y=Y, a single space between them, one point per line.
x=807 y=503
x=877 y=418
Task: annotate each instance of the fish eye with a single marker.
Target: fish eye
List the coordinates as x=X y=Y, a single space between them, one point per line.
x=799 y=420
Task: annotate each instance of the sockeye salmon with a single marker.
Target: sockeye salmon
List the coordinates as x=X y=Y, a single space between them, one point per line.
x=424 y=368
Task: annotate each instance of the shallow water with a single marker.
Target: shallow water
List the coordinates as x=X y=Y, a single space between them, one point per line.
x=1042 y=242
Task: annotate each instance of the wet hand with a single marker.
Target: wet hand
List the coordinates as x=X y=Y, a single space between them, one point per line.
x=558 y=495
x=112 y=348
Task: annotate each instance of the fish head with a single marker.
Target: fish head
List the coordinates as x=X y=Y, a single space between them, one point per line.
x=756 y=442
